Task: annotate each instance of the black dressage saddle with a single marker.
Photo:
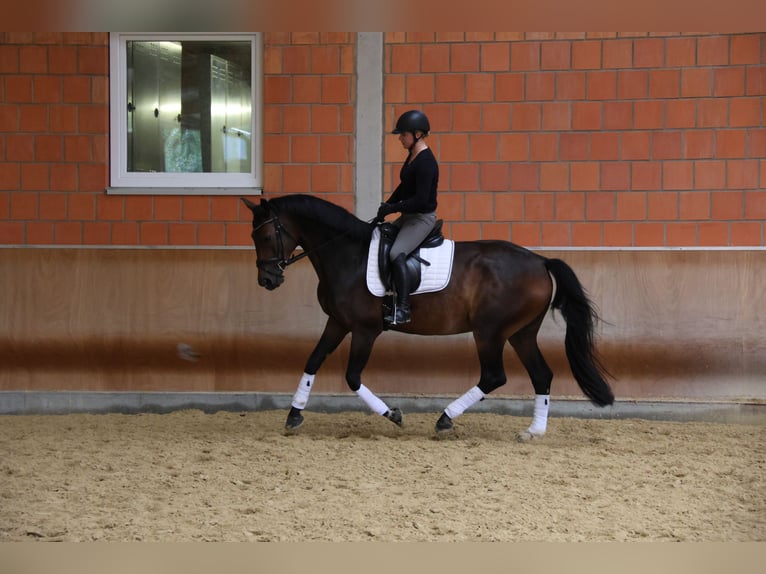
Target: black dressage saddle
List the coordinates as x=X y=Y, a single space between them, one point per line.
x=388 y=233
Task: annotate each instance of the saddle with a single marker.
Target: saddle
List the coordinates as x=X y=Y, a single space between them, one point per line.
x=388 y=233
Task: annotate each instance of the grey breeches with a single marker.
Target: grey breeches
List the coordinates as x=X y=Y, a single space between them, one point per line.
x=414 y=228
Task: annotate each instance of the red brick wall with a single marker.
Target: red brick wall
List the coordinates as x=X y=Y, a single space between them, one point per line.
x=574 y=139
x=546 y=139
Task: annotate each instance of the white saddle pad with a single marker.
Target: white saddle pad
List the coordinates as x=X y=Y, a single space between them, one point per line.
x=434 y=277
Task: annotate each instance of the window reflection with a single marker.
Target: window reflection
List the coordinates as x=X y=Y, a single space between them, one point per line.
x=189 y=106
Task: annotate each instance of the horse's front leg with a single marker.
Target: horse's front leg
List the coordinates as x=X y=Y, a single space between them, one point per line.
x=331 y=337
x=361 y=348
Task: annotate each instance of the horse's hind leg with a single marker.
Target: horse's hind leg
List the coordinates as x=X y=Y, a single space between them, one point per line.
x=490 y=350
x=331 y=337
x=525 y=344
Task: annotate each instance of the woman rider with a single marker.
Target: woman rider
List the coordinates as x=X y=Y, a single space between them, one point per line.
x=415 y=199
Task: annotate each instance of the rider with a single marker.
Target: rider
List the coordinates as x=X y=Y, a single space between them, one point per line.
x=415 y=199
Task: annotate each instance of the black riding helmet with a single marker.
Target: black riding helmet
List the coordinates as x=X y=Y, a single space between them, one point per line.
x=412 y=121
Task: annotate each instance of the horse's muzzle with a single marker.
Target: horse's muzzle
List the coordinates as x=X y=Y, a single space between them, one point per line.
x=270 y=281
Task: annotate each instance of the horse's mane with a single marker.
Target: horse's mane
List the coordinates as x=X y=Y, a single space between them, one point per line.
x=329 y=214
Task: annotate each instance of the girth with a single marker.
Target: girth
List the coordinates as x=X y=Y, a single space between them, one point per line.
x=388 y=233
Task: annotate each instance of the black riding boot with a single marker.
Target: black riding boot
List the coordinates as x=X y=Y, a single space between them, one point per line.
x=402 y=287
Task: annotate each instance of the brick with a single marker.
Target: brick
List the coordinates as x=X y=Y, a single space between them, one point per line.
x=693 y=205
x=586 y=115
x=649 y=53
x=307 y=89
x=35 y=177
x=495 y=57
x=632 y=84
x=296 y=59
x=272 y=60
x=420 y=89
x=509 y=87
x=110 y=207
x=33 y=118
x=324 y=119
x=664 y=84
x=464 y=57
x=618 y=234
x=681 y=113
x=666 y=145
x=696 y=83
x=573 y=146
x=555 y=56
x=543 y=147
x=296 y=119
x=495 y=117
x=680 y=52
x=296 y=178
x=498 y=231
x=18 y=89
x=33 y=60
x=182 y=233
x=449 y=88
x=745 y=49
x=47 y=89
x=23 y=205
x=527 y=234
x=570 y=85
x=698 y=144
x=514 y=147
x=76 y=90
x=757 y=143
x=540 y=86
x=646 y=176
x=618 y=115
x=125 y=233
x=93 y=119
x=38 y=233
x=304 y=149
x=479 y=207
x=600 y=206
x=615 y=175
x=10 y=176
x=586 y=234
x=508 y=206
x=12 y=233
x=730 y=143
x=755 y=205
x=464 y=177
x=584 y=176
x=635 y=145
x=742 y=174
x=9 y=59
x=601 y=85
x=483 y=147
x=586 y=55
x=648 y=234
x=728 y=82
x=712 y=113
x=494 y=177
x=727 y=205
x=681 y=234
x=405 y=59
x=604 y=146
x=453 y=147
x=9 y=118
x=556 y=116
x=138 y=208
x=277 y=90
x=336 y=89
x=756 y=81
x=166 y=208
x=617 y=53
x=555 y=234
x=710 y=174
x=745 y=112
x=746 y=233
x=570 y=206
x=92 y=176
x=19 y=147
x=649 y=114
x=68 y=233
x=153 y=233
x=525 y=116
x=435 y=58
x=712 y=50
x=325 y=59
x=713 y=233
x=82 y=206
x=479 y=87
x=93 y=60
x=525 y=56
x=525 y=177
x=77 y=148
x=677 y=175
x=554 y=177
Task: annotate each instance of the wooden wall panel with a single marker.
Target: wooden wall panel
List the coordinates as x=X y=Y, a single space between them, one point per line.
x=679 y=324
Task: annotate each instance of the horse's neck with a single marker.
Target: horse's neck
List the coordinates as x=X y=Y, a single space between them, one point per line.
x=332 y=254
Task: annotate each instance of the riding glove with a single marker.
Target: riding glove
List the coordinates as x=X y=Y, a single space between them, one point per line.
x=385 y=209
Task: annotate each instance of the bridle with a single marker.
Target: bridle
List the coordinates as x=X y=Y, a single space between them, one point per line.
x=280 y=260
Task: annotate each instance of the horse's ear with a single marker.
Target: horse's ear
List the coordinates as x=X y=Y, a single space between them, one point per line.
x=252 y=206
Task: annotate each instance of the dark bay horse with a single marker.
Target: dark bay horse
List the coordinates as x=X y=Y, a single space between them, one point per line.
x=498 y=291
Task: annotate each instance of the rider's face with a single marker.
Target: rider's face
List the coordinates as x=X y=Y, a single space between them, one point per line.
x=406 y=139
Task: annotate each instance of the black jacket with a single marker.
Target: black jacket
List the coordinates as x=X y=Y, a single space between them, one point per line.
x=419 y=181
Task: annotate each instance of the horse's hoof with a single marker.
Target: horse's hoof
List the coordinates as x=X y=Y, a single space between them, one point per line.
x=526 y=436
x=293 y=422
x=444 y=424
x=395 y=416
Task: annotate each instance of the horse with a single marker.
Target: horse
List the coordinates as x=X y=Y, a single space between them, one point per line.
x=498 y=291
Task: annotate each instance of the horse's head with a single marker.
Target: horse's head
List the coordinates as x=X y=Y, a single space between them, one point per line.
x=273 y=244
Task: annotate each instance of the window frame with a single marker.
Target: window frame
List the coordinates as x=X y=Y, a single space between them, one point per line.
x=123 y=182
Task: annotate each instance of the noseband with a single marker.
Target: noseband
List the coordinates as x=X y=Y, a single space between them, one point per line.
x=280 y=260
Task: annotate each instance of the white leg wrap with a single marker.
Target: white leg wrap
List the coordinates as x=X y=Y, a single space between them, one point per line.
x=301 y=396
x=376 y=405
x=461 y=404
x=540 y=417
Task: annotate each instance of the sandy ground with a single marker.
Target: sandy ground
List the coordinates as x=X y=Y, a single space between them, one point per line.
x=354 y=477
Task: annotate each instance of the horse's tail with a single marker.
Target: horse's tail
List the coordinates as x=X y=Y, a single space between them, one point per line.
x=580 y=316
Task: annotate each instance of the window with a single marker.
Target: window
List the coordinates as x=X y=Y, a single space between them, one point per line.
x=185 y=113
